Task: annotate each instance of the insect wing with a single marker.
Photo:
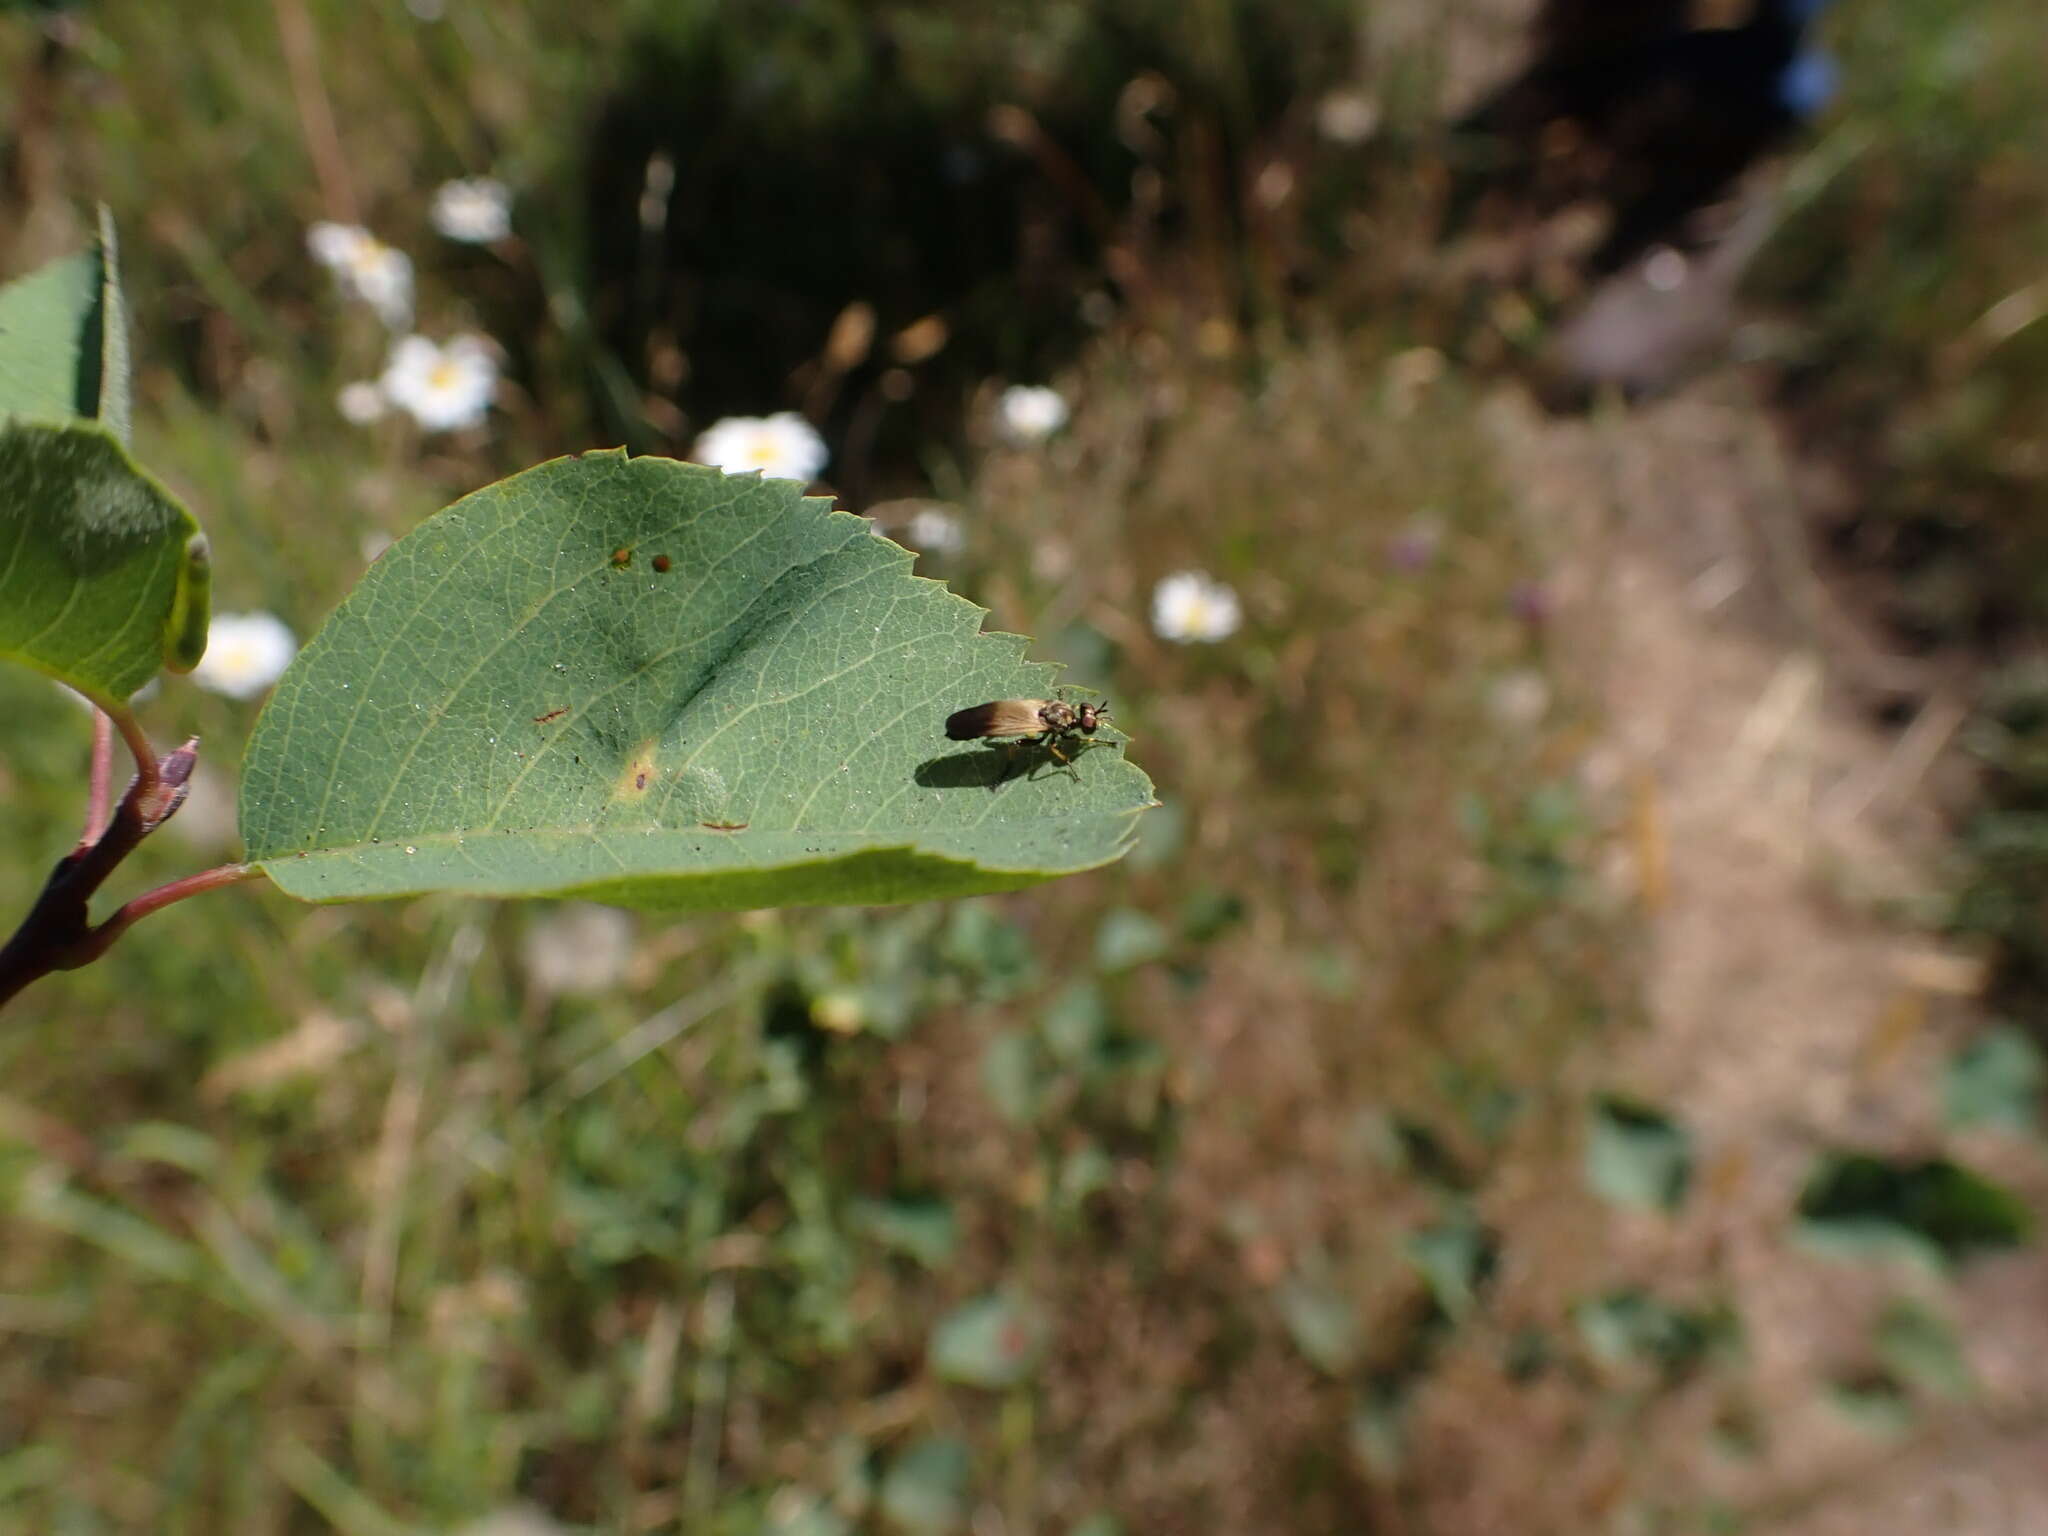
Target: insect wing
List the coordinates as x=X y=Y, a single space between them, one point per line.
x=1003 y=717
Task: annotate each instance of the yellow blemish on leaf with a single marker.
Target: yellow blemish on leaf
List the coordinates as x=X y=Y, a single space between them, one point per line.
x=640 y=773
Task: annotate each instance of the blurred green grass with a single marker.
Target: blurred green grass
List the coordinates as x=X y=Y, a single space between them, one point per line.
x=344 y=1219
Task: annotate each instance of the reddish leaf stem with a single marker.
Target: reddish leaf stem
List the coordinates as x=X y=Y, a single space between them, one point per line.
x=176 y=890
x=138 y=748
x=101 y=791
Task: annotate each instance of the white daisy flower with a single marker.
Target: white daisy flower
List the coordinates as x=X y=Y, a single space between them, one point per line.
x=1347 y=117
x=367 y=269
x=245 y=654
x=1030 y=413
x=476 y=210
x=444 y=389
x=935 y=530
x=782 y=447
x=1191 y=606
x=361 y=402
x=333 y=245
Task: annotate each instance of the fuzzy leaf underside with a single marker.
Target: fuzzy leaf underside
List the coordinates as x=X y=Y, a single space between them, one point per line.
x=103 y=575
x=644 y=682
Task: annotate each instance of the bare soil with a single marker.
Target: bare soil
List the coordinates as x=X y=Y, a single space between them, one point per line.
x=1784 y=851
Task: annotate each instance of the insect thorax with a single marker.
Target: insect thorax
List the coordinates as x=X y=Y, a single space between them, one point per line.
x=1057 y=715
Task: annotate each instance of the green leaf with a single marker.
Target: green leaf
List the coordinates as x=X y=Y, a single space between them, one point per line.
x=1633 y=1326
x=1084 y=1172
x=1920 y=1348
x=1875 y=1404
x=1076 y=1023
x=64 y=340
x=992 y=1341
x=925 y=1490
x=1010 y=1075
x=104 y=577
x=1323 y=1322
x=1860 y=1206
x=646 y=683
x=1128 y=938
x=1636 y=1155
x=923 y=1229
x=1996 y=1080
x=1456 y=1257
x=1378 y=1431
x=990 y=949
